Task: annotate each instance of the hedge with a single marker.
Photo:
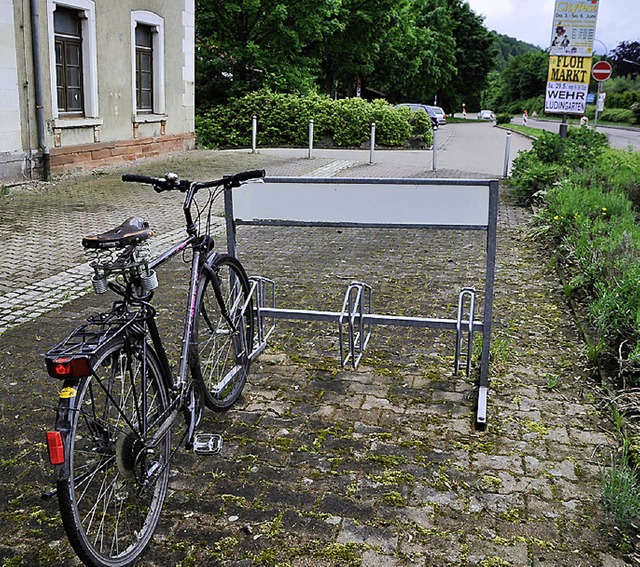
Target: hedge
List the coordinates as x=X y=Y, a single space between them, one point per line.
x=283 y=120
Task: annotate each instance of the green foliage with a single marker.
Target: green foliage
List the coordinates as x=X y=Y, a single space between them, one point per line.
x=520 y=85
x=531 y=177
x=621 y=493
x=508 y=48
x=504 y=118
x=283 y=120
x=590 y=196
x=404 y=50
x=621 y=115
x=551 y=157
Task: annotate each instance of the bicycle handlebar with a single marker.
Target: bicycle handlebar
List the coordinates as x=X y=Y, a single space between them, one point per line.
x=170 y=180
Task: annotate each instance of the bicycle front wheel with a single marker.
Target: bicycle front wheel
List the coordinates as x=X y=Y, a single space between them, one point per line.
x=222 y=332
x=111 y=501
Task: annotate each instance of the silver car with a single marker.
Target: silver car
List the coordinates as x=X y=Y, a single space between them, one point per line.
x=486 y=115
x=440 y=114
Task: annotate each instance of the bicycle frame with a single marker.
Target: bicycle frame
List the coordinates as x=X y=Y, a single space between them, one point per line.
x=84 y=342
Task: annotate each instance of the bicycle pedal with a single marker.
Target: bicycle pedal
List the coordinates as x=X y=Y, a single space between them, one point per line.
x=207 y=444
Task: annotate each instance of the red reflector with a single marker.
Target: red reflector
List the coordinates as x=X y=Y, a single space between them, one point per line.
x=66 y=367
x=56 y=448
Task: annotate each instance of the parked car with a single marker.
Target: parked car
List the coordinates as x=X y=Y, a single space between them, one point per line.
x=414 y=106
x=486 y=115
x=442 y=117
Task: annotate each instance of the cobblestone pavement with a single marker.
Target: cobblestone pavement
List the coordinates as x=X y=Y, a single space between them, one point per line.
x=324 y=466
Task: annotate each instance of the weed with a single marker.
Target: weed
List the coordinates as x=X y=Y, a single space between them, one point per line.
x=491 y=482
x=274 y=527
x=388 y=461
x=621 y=492
x=393 y=498
x=393 y=477
x=349 y=553
x=617 y=417
x=552 y=381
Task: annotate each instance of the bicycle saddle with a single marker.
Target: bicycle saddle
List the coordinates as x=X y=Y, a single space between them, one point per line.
x=131 y=231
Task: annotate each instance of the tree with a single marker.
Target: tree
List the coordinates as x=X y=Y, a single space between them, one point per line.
x=243 y=45
x=625 y=59
x=475 y=55
x=524 y=78
x=352 y=51
x=418 y=56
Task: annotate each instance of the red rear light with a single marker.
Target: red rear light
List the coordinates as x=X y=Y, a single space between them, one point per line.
x=56 y=447
x=68 y=367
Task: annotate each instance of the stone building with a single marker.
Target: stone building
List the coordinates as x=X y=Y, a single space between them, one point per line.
x=90 y=83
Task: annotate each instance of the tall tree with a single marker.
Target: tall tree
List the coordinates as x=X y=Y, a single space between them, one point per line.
x=625 y=59
x=524 y=78
x=351 y=53
x=475 y=56
x=242 y=45
x=418 y=53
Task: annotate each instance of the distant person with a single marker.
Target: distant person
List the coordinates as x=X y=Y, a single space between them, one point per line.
x=525 y=118
x=584 y=122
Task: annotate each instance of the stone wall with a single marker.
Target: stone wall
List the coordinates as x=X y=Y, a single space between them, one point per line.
x=104 y=154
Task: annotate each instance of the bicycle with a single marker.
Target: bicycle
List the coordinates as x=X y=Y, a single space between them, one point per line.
x=112 y=441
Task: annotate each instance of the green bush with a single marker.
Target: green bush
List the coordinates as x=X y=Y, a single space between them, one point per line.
x=589 y=197
x=621 y=115
x=283 y=120
x=531 y=177
x=504 y=118
x=621 y=493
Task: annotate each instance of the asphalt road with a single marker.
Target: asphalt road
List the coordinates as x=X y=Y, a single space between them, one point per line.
x=619 y=138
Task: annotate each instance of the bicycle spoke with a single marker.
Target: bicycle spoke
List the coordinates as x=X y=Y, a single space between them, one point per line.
x=118 y=482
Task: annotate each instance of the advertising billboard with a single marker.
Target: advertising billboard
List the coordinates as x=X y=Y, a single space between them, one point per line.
x=567 y=84
x=574 y=27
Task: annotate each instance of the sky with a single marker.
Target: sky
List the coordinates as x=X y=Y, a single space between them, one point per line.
x=532 y=20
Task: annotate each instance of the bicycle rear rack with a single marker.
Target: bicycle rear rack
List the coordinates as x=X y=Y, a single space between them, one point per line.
x=86 y=339
x=356 y=317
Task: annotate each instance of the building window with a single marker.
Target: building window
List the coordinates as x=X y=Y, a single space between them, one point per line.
x=73 y=59
x=144 y=68
x=147 y=59
x=68 y=49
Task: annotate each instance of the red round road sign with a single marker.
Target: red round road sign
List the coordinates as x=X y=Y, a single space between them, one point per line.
x=601 y=71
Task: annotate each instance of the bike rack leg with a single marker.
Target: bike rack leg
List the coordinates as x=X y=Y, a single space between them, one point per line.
x=467 y=294
x=357 y=303
x=263 y=293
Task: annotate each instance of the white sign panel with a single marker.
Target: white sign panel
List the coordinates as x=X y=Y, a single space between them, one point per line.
x=574 y=27
x=355 y=203
x=566 y=98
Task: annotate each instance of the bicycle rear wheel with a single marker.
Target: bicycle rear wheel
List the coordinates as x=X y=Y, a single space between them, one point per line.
x=111 y=501
x=222 y=332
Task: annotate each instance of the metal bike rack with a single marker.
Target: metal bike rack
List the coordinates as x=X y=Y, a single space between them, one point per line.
x=460 y=204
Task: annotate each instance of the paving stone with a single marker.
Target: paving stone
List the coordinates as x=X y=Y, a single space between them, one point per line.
x=383 y=460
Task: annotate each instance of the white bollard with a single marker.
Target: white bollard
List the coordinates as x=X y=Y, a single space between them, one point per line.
x=310 y=138
x=435 y=150
x=254 y=135
x=507 y=152
x=373 y=142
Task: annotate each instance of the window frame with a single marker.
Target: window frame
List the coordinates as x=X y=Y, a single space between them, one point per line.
x=88 y=53
x=66 y=41
x=156 y=24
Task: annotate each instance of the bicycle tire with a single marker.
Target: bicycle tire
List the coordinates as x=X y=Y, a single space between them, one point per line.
x=110 y=504
x=220 y=352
